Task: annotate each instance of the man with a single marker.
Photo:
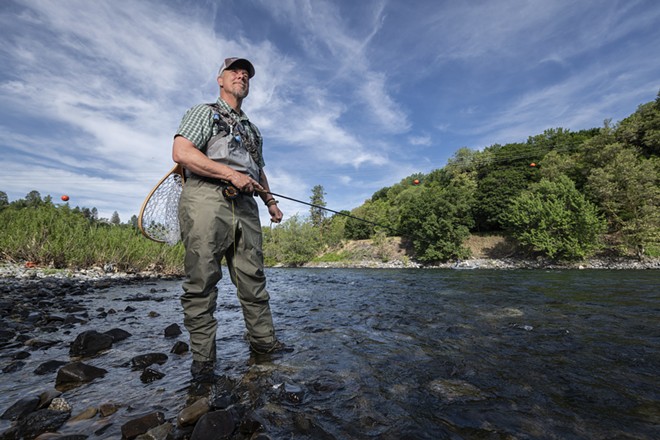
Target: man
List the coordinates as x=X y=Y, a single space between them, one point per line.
x=221 y=151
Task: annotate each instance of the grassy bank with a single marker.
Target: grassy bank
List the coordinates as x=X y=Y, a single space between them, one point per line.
x=58 y=237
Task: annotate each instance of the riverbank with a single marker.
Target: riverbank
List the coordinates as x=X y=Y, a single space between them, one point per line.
x=487 y=252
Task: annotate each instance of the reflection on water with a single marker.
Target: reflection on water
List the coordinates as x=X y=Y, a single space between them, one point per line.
x=396 y=354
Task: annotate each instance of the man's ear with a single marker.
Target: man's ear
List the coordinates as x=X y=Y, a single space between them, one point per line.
x=220 y=81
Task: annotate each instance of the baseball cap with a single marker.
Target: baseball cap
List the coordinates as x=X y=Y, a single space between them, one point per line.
x=237 y=62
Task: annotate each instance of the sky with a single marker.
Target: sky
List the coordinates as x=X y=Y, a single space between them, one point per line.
x=351 y=95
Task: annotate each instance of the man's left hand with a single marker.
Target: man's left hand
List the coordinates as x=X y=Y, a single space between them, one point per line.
x=275 y=213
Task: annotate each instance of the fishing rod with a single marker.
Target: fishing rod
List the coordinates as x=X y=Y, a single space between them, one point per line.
x=327 y=209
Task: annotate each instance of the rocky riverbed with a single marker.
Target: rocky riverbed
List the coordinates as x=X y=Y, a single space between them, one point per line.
x=53 y=338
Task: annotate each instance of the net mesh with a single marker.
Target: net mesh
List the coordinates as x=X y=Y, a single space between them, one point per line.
x=160 y=220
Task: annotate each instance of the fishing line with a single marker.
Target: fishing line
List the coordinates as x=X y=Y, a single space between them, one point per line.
x=329 y=210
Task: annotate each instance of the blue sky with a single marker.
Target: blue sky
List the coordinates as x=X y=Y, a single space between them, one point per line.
x=351 y=95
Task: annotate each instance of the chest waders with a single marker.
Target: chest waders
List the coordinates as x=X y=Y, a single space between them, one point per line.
x=217 y=221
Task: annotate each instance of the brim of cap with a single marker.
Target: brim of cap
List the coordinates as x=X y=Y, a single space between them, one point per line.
x=241 y=62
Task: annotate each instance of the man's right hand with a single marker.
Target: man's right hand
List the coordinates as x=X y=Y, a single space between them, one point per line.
x=245 y=183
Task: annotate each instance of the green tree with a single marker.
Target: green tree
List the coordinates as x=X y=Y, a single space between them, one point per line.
x=379 y=215
x=293 y=242
x=627 y=188
x=115 y=218
x=438 y=221
x=4 y=200
x=33 y=199
x=494 y=194
x=642 y=128
x=317 y=213
x=554 y=218
x=335 y=231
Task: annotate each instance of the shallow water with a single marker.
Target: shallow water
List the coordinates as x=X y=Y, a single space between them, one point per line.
x=396 y=354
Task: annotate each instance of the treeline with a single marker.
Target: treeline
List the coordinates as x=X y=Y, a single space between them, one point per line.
x=561 y=194
x=38 y=231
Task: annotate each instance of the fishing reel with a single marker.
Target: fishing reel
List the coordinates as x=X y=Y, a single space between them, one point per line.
x=230 y=192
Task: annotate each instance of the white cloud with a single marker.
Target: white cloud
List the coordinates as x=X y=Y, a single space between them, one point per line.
x=420 y=140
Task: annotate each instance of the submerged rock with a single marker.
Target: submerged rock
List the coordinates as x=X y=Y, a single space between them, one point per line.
x=118 y=334
x=141 y=425
x=179 y=347
x=86 y=414
x=455 y=390
x=144 y=360
x=161 y=432
x=49 y=367
x=149 y=375
x=77 y=373
x=108 y=409
x=90 y=342
x=13 y=367
x=292 y=393
x=172 y=331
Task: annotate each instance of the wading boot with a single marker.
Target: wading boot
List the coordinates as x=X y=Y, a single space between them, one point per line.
x=274 y=348
x=203 y=371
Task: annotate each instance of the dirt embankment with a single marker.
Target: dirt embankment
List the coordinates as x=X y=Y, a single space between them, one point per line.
x=487 y=252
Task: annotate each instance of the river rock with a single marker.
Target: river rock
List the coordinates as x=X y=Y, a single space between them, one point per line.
x=108 y=409
x=149 y=375
x=76 y=373
x=6 y=336
x=68 y=437
x=19 y=355
x=39 y=422
x=84 y=415
x=172 y=331
x=60 y=404
x=179 y=347
x=118 y=334
x=161 y=432
x=223 y=400
x=90 y=342
x=48 y=367
x=145 y=360
x=292 y=393
x=190 y=414
x=13 y=366
x=141 y=425
x=22 y=407
x=252 y=424
x=46 y=397
x=455 y=390
x=40 y=344
x=215 y=425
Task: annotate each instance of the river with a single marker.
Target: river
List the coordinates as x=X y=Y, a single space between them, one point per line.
x=399 y=354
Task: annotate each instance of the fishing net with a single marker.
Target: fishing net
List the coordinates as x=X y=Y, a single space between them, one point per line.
x=158 y=218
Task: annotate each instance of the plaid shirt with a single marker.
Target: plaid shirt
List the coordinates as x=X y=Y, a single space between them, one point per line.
x=197 y=126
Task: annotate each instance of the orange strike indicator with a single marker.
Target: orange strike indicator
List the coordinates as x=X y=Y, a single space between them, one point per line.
x=416 y=182
x=65 y=198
